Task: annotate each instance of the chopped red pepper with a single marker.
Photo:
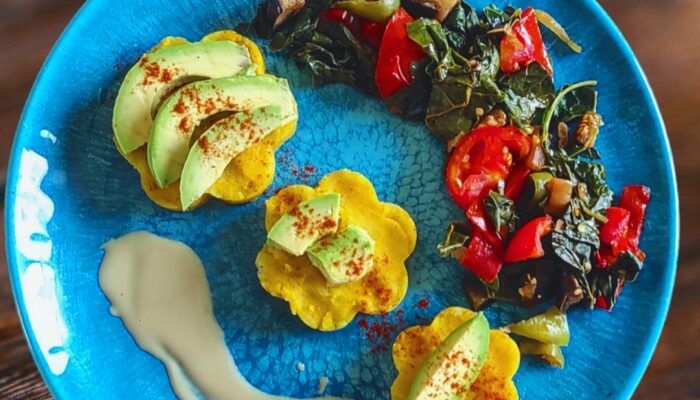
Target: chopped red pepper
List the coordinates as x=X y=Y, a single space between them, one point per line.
x=344 y=18
x=526 y=243
x=481 y=159
x=372 y=32
x=516 y=181
x=396 y=54
x=604 y=257
x=624 y=227
x=614 y=231
x=635 y=199
x=483 y=256
x=477 y=215
x=522 y=45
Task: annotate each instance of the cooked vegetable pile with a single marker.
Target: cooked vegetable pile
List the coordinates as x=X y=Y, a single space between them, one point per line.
x=540 y=223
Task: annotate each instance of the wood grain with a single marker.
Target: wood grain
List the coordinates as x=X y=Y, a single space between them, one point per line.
x=664 y=35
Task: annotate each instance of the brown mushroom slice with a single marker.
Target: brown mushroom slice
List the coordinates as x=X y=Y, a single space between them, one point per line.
x=279 y=10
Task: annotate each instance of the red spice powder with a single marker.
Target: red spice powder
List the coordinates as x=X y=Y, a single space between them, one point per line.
x=309 y=170
x=180 y=107
x=184 y=125
x=203 y=143
x=422 y=303
x=380 y=333
x=166 y=76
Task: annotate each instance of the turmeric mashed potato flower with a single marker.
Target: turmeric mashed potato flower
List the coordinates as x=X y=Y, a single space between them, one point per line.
x=297 y=281
x=414 y=346
x=247 y=176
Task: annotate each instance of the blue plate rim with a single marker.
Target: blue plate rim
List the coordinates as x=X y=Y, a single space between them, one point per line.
x=606 y=20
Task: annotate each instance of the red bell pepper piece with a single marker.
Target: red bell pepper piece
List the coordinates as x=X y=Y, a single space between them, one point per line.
x=604 y=257
x=614 y=231
x=526 y=243
x=483 y=256
x=516 y=181
x=635 y=199
x=396 y=54
x=477 y=216
x=372 y=32
x=363 y=29
x=344 y=18
x=479 y=162
x=522 y=44
x=624 y=227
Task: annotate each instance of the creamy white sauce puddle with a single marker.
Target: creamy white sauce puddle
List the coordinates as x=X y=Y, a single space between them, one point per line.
x=159 y=289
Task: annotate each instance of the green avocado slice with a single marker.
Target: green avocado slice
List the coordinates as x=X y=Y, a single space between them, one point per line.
x=305 y=224
x=159 y=72
x=169 y=142
x=345 y=257
x=454 y=365
x=220 y=144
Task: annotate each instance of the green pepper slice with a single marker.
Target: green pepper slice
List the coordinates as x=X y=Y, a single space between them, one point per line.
x=373 y=10
x=549 y=353
x=550 y=327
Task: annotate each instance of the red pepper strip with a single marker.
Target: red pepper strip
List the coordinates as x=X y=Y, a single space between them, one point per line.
x=600 y=302
x=481 y=159
x=344 y=18
x=477 y=215
x=483 y=257
x=516 y=181
x=396 y=54
x=527 y=241
x=604 y=257
x=372 y=32
x=614 y=231
x=522 y=44
x=635 y=199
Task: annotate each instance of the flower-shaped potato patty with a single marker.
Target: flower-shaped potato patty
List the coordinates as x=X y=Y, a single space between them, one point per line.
x=414 y=345
x=247 y=176
x=302 y=285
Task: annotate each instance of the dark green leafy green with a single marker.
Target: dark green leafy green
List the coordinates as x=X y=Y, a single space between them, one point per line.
x=461 y=27
x=627 y=266
x=327 y=48
x=495 y=17
x=575 y=103
x=501 y=212
x=456 y=237
x=527 y=92
x=574 y=240
x=606 y=287
x=548 y=117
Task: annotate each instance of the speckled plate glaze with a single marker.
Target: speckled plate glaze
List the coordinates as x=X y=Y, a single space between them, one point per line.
x=69 y=192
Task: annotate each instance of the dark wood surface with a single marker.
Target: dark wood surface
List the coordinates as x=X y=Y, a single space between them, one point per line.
x=664 y=34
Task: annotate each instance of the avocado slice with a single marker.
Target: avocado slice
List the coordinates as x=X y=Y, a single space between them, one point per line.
x=454 y=365
x=158 y=73
x=305 y=224
x=169 y=142
x=220 y=144
x=345 y=257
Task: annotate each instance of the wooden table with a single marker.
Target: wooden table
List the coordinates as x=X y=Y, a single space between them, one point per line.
x=666 y=38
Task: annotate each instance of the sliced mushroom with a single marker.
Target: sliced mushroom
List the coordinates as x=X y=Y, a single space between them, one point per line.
x=279 y=10
x=438 y=9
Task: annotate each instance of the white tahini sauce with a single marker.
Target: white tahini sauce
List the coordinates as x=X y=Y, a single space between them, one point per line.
x=159 y=289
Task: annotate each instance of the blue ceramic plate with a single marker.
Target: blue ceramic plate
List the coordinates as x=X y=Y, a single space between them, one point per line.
x=69 y=192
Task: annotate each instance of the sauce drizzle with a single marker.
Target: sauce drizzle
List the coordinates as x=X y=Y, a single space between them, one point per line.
x=159 y=289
